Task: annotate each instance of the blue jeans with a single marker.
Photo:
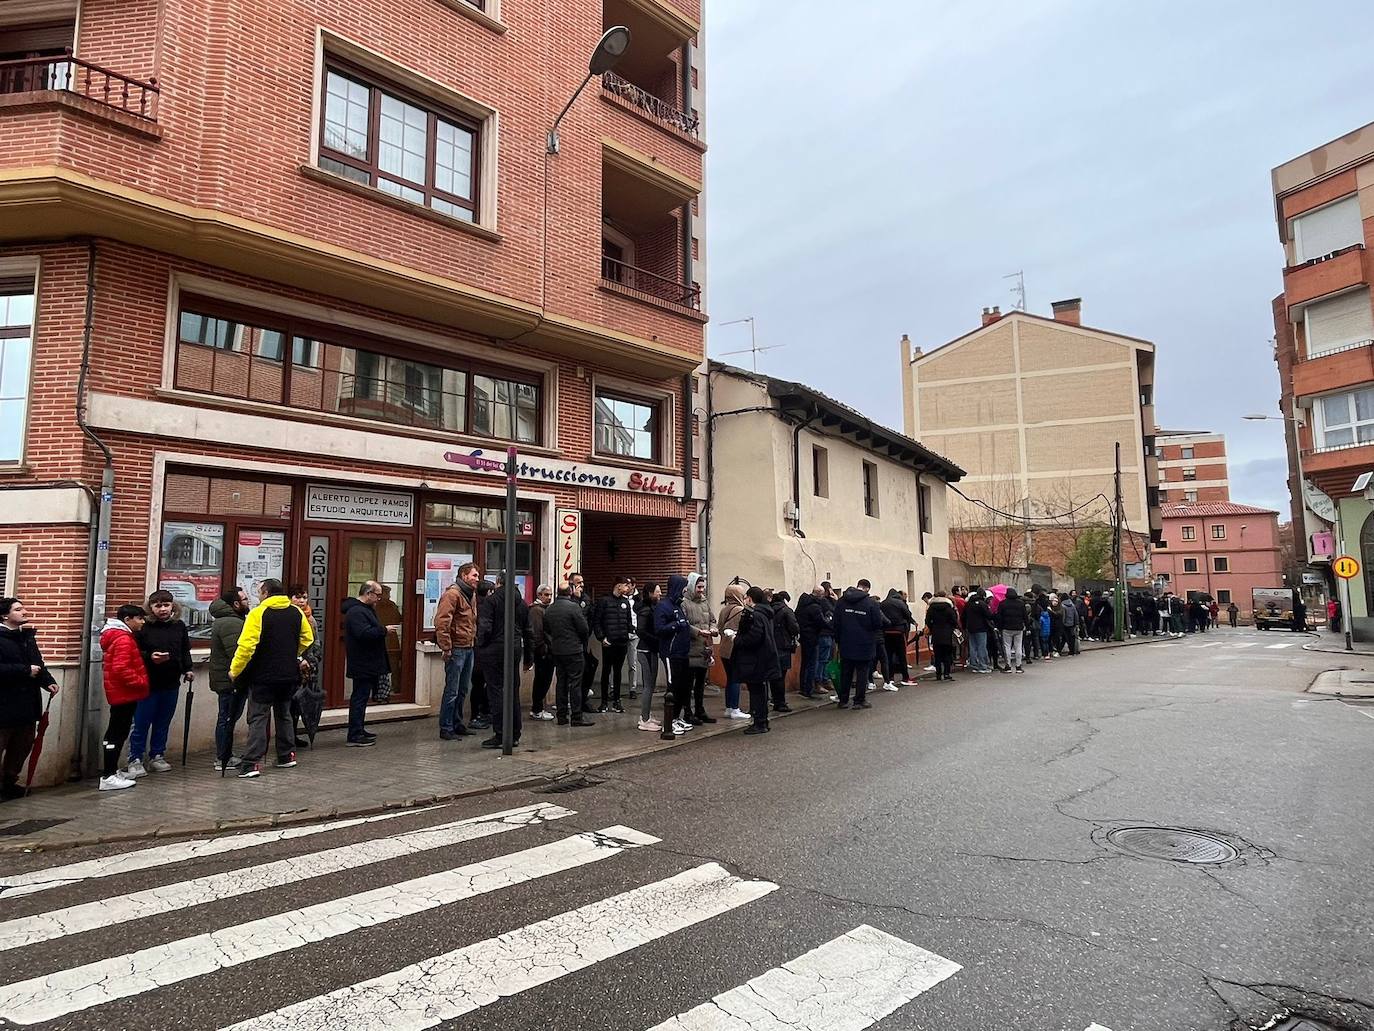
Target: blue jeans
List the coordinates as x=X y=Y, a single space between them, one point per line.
x=978 y=650
x=231 y=705
x=457 y=681
x=153 y=713
x=825 y=647
x=732 y=687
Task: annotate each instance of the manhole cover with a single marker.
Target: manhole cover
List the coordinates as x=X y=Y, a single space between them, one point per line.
x=566 y=784
x=1173 y=843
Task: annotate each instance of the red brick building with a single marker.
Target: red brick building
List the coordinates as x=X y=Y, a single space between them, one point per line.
x=1219 y=549
x=1192 y=467
x=302 y=268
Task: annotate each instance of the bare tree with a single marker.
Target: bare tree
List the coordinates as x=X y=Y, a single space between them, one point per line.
x=989 y=534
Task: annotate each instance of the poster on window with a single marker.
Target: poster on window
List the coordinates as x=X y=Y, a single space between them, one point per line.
x=192 y=567
x=262 y=556
x=441 y=569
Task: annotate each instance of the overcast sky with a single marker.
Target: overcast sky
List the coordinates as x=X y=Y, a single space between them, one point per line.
x=876 y=168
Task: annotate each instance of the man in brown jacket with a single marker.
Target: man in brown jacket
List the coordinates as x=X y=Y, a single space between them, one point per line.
x=455 y=629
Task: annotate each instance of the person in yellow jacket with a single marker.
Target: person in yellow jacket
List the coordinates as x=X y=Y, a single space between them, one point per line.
x=268 y=659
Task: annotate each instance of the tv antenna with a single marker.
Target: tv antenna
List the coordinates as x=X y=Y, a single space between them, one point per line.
x=1018 y=290
x=753 y=350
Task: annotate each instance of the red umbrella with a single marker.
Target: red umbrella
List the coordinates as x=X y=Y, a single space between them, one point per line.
x=38 y=743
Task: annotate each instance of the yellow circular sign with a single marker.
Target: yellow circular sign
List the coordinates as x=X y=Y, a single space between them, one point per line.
x=1346 y=567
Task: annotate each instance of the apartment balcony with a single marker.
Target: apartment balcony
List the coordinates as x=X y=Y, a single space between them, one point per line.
x=1322 y=276
x=1348 y=366
x=74 y=82
x=1147 y=419
x=649 y=286
x=652 y=108
x=1152 y=469
x=653 y=83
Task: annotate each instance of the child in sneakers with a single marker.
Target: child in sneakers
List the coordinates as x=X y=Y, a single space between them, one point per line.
x=126 y=685
x=166 y=648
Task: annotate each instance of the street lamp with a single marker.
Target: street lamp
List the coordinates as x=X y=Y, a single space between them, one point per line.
x=609 y=50
x=1342 y=585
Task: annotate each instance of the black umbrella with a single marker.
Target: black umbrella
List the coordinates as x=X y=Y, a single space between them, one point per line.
x=310 y=700
x=186 y=723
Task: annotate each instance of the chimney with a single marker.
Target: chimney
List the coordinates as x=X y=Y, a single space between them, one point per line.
x=991 y=315
x=1070 y=311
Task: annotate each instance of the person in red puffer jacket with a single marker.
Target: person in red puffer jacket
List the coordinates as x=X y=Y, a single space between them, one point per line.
x=126 y=684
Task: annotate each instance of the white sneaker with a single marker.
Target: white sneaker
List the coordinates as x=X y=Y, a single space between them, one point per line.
x=159 y=764
x=650 y=725
x=737 y=714
x=133 y=771
x=233 y=763
x=544 y=715
x=681 y=726
x=930 y=669
x=114 y=782
x=891 y=687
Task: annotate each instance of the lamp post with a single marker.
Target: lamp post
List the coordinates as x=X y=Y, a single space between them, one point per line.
x=1342 y=585
x=609 y=50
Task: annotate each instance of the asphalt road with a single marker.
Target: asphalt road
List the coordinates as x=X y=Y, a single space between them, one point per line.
x=938 y=861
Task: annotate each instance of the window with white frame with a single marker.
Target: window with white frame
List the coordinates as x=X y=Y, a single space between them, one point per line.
x=1218 y=531
x=1345 y=419
x=1332 y=227
x=1190 y=497
x=17 y=302
x=1188 y=533
x=1337 y=322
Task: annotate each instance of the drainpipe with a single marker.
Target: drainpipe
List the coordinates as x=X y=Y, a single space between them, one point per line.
x=920 y=515
x=88 y=719
x=796 y=471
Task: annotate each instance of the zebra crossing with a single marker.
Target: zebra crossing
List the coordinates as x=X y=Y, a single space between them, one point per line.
x=848 y=983
x=1240 y=645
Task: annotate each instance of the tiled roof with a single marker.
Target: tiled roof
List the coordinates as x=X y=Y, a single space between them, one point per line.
x=1217 y=508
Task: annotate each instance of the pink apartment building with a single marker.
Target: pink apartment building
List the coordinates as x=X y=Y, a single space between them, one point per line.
x=1219 y=549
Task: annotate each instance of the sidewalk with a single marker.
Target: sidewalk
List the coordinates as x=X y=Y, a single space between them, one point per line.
x=409 y=766
x=1335 y=645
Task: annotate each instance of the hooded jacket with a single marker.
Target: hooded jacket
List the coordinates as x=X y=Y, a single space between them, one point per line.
x=755 y=659
x=814 y=619
x=455 y=620
x=1070 y=613
x=785 y=627
x=858 y=621
x=670 y=622
x=897 y=613
x=1013 y=612
x=224 y=641
x=274 y=636
x=565 y=628
x=126 y=676
x=729 y=618
x=942 y=619
x=491 y=627
x=21 y=699
x=364 y=640
x=170 y=636
x=977 y=615
x=703 y=622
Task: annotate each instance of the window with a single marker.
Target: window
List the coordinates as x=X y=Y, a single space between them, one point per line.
x=627 y=427
x=1162 y=546
x=1190 y=565
x=820 y=472
x=924 y=495
x=16 y=352
x=1188 y=533
x=1332 y=227
x=1186 y=452
x=1190 y=497
x=1163 y=497
x=1331 y=324
x=1218 y=531
x=1345 y=419
x=870 y=490
x=382 y=137
x=1223 y=597
x=1190 y=474
x=241 y=355
x=1221 y=564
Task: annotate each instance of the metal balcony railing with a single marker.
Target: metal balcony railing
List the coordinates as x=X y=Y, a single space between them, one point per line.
x=1336 y=350
x=654 y=107
x=72 y=75
x=650 y=283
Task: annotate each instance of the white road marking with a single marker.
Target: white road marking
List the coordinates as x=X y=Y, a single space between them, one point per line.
x=1273 y=647
x=119 y=977
x=1245 y=644
x=444 y=987
x=167 y=898
x=847 y=984
x=1209 y=644
x=160 y=855
x=1097 y=1027
x=1359 y=709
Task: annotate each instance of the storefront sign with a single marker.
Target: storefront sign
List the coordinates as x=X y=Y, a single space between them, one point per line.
x=317 y=580
x=346 y=505
x=1323 y=546
x=192 y=560
x=573 y=474
x=1312 y=579
x=569 y=543
x=1318 y=501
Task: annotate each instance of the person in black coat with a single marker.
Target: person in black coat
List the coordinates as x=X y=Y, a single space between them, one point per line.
x=896 y=633
x=612 y=622
x=815 y=632
x=755 y=656
x=786 y=630
x=490 y=644
x=567 y=632
x=942 y=621
x=23 y=679
x=1013 y=616
x=858 y=622
x=978 y=627
x=366 y=655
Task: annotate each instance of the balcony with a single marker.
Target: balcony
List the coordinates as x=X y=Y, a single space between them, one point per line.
x=648 y=285
x=1347 y=366
x=1322 y=276
x=655 y=109
x=43 y=78
x=1147 y=419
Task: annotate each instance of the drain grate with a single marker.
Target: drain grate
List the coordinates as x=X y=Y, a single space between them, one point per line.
x=1174 y=844
x=24 y=827
x=567 y=784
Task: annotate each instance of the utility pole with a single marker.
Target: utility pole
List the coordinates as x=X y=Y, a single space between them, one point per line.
x=1025 y=515
x=1118 y=554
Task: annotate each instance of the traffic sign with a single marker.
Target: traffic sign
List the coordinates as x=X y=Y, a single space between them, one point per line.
x=1346 y=567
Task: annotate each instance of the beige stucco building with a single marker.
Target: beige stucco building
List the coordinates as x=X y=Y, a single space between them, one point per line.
x=1032 y=407
x=805 y=489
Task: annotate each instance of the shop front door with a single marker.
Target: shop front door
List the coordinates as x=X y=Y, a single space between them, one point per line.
x=338 y=563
